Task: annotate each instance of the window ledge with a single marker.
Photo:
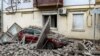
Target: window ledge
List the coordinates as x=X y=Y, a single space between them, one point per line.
x=55 y=29
x=78 y=30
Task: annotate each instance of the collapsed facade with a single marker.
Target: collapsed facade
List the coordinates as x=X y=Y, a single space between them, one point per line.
x=71 y=18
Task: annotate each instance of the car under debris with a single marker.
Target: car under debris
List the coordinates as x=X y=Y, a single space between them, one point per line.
x=32 y=35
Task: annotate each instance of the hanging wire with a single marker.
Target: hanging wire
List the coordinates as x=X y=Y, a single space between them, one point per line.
x=57 y=3
x=89 y=12
x=89 y=7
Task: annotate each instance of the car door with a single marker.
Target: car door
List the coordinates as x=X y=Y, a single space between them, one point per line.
x=29 y=36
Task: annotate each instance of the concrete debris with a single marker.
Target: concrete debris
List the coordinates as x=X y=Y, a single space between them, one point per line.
x=5 y=38
x=72 y=49
x=43 y=35
x=19 y=48
x=11 y=34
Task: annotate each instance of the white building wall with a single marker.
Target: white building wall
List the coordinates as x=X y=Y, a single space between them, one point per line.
x=22 y=5
x=24 y=20
x=38 y=21
x=64 y=23
x=78 y=2
x=23 y=17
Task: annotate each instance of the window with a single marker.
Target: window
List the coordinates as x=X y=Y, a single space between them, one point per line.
x=14 y=1
x=53 y=20
x=78 y=21
x=25 y=1
x=11 y=1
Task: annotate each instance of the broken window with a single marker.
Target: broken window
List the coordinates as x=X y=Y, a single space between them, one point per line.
x=25 y=1
x=78 y=21
x=53 y=20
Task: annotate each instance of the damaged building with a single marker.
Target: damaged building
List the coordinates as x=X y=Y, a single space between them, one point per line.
x=72 y=18
x=50 y=28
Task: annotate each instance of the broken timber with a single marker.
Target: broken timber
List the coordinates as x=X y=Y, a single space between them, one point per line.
x=43 y=34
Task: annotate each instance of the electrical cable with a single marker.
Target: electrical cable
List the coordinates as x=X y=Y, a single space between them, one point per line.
x=57 y=3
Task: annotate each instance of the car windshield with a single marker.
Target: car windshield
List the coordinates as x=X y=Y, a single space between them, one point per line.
x=36 y=31
x=31 y=31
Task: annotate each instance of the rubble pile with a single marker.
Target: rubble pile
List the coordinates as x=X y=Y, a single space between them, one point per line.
x=11 y=46
x=17 y=50
x=74 y=48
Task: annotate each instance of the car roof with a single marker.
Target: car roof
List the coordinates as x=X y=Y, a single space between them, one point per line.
x=32 y=29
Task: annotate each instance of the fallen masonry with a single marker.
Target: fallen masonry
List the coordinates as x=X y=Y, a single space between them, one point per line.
x=11 y=46
x=72 y=49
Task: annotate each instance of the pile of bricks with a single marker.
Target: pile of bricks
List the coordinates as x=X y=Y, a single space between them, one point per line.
x=74 y=48
x=18 y=48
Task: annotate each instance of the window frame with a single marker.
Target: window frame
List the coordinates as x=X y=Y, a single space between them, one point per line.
x=13 y=1
x=78 y=30
x=50 y=20
x=26 y=1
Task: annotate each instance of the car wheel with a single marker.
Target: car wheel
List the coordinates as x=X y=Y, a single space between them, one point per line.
x=49 y=45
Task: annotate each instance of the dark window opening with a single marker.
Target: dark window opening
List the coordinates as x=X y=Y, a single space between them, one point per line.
x=53 y=20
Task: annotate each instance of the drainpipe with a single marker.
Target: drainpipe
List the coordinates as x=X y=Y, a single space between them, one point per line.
x=1 y=16
x=94 y=31
x=94 y=27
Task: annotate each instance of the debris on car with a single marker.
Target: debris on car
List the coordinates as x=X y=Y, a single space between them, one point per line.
x=32 y=35
x=23 y=42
